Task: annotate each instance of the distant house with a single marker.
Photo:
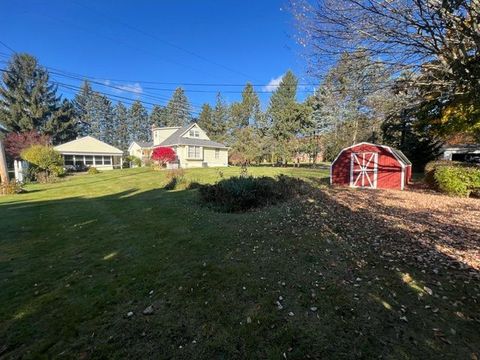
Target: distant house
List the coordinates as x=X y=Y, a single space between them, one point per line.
x=141 y=150
x=461 y=152
x=191 y=144
x=90 y=152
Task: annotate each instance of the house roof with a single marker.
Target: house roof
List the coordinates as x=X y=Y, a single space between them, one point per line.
x=87 y=145
x=144 y=144
x=177 y=139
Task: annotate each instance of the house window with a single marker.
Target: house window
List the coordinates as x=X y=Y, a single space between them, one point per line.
x=217 y=153
x=194 y=152
x=106 y=160
x=88 y=160
x=79 y=160
x=194 y=133
x=98 y=160
x=68 y=159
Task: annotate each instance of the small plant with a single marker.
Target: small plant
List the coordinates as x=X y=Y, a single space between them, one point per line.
x=175 y=179
x=10 y=188
x=93 y=171
x=244 y=171
x=239 y=194
x=132 y=161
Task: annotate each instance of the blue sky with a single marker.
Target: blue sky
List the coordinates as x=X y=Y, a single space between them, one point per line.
x=137 y=45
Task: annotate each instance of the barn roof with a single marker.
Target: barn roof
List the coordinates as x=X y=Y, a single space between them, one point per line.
x=398 y=154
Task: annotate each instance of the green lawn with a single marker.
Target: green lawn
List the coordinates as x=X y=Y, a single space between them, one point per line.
x=78 y=255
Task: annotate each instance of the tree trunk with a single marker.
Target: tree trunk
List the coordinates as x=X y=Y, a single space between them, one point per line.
x=3 y=165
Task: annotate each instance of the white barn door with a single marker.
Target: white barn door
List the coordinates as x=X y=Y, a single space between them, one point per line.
x=364 y=170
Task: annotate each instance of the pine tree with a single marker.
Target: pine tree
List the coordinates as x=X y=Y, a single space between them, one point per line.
x=205 y=119
x=83 y=104
x=287 y=117
x=158 y=116
x=122 y=138
x=106 y=119
x=27 y=100
x=220 y=117
x=247 y=112
x=140 y=127
x=178 y=109
x=62 y=125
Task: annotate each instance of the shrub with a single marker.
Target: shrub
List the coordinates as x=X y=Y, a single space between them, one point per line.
x=11 y=188
x=175 y=179
x=163 y=155
x=236 y=158
x=45 y=161
x=242 y=193
x=132 y=161
x=93 y=171
x=430 y=169
x=457 y=180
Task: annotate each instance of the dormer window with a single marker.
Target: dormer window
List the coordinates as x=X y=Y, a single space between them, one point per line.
x=194 y=133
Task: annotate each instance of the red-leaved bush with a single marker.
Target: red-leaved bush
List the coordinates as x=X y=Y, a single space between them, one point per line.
x=163 y=155
x=15 y=143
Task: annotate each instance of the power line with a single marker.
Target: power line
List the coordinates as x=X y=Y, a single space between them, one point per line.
x=117 y=97
x=8 y=47
x=180 y=83
x=189 y=52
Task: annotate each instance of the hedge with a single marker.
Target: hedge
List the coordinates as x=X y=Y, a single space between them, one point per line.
x=453 y=178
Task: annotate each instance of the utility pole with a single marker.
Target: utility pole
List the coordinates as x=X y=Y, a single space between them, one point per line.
x=3 y=165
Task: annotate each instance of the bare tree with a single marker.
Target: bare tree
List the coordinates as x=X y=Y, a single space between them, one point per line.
x=439 y=39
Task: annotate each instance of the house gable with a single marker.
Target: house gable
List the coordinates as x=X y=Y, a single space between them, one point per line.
x=194 y=132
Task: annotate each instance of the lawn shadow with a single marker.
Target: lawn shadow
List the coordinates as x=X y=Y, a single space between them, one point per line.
x=129 y=240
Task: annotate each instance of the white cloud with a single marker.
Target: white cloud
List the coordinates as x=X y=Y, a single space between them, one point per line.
x=273 y=84
x=134 y=88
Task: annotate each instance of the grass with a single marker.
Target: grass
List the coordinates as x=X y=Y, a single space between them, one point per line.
x=77 y=256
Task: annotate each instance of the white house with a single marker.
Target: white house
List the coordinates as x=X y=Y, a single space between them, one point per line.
x=90 y=152
x=191 y=144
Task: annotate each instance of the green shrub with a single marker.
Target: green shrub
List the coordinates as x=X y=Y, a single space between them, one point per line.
x=93 y=171
x=429 y=177
x=242 y=193
x=45 y=161
x=131 y=160
x=457 y=180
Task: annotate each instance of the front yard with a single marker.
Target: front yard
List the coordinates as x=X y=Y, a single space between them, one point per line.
x=333 y=274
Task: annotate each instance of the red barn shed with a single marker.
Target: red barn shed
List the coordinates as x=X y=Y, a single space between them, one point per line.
x=371 y=166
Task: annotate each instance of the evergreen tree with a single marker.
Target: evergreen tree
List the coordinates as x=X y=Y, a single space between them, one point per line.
x=27 y=100
x=122 y=138
x=62 y=126
x=287 y=118
x=105 y=119
x=205 y=120
x=83 y=104
x=140 y=127
x=158 y=116
x=247 y=112
x=220 y=117
x=178 y=109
